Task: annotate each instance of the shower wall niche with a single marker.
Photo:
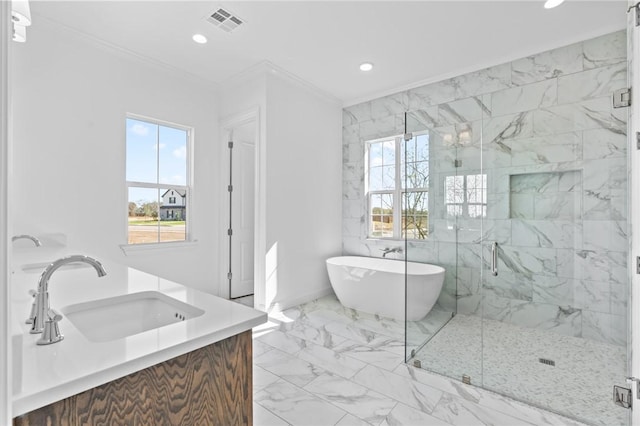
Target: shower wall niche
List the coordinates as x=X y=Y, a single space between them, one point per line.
x=552 y=197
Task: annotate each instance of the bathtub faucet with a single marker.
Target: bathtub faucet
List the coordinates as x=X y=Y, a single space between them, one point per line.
x=388 y=250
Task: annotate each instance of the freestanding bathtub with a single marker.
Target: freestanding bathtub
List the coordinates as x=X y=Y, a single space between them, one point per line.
x=377 y=286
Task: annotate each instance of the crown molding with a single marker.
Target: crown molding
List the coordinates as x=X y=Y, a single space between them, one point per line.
x=265 y=67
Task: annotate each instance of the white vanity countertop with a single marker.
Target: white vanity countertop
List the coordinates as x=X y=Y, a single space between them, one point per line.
x=46 y=374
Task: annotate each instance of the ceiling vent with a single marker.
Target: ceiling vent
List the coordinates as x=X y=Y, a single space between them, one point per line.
x=225 y=20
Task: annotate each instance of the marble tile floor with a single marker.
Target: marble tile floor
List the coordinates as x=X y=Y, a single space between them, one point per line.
x=322 y=364
x=579 y=385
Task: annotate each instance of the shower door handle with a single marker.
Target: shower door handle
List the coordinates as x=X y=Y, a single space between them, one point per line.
x=494 y=259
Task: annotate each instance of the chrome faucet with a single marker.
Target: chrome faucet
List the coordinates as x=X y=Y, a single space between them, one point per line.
x=388 y=250
x=45 y=320
x=35 y=240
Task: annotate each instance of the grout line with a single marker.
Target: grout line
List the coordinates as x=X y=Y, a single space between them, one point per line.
x=347 y=412
x=274 y=414
x=341 y=418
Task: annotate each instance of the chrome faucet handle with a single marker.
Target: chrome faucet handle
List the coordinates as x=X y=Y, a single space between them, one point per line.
x=35 y=240
x=51 y=333
x=42 y=308
x=387 y=250
x=32 y=314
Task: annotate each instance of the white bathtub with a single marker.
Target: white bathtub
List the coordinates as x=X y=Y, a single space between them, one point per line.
x=377 y=286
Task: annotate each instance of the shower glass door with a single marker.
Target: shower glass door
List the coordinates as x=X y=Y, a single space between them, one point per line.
x=456 y=210
x=430 y=233
x=554 y=251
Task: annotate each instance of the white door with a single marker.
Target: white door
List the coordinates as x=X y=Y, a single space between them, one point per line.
x=243 y=210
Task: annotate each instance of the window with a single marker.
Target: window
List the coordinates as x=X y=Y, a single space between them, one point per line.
x=157 y=171
x=398 y=187
x=466 y=196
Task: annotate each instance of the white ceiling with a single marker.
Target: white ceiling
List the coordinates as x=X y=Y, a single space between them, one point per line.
x=323 y=42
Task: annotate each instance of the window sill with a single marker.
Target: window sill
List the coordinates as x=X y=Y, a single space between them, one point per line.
x=394 y=240
x=391 y=240
x=136 y=249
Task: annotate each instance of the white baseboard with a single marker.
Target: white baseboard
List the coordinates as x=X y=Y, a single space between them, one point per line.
x=305 y=298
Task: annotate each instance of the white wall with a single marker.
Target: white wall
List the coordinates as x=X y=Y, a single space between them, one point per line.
x=301 y=182
x=242 y=95
x=71 y=96
x=304 y=185
x=5 y=293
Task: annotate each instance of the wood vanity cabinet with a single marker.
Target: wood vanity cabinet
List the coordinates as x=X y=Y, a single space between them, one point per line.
x=209 y=386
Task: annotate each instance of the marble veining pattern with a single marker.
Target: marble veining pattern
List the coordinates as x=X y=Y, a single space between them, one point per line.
x=525 y=98
x=289 y=390
x=547 y=65
x=543 y=130
x=592 y=83
x=603 y=51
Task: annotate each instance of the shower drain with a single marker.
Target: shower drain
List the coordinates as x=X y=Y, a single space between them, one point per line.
x=547 y=361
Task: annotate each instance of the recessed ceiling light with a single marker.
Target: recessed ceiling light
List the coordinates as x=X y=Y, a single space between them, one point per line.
x=550 y=4
x=199 y=38
x=366 y=66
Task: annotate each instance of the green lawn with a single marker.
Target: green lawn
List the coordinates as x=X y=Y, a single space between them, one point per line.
x=155 y=222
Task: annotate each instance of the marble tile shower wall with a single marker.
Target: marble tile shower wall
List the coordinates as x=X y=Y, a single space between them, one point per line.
x=553 y=148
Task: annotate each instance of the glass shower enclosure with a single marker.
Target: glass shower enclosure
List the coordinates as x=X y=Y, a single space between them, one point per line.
x=527 y=212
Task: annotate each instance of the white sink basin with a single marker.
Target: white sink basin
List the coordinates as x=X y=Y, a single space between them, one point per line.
x=121 y=316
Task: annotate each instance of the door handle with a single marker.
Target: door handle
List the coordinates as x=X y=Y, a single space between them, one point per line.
x=494 y=259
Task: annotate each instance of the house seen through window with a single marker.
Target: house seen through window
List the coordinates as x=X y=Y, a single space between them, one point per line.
x=398 y=187
x=158 y=184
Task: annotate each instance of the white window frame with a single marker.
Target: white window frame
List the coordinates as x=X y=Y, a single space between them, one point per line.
x=188 y=188
x=466 y=204
x=397 y=193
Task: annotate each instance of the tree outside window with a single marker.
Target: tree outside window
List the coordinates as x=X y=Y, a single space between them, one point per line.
x=398 y=187
x=466 y=196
